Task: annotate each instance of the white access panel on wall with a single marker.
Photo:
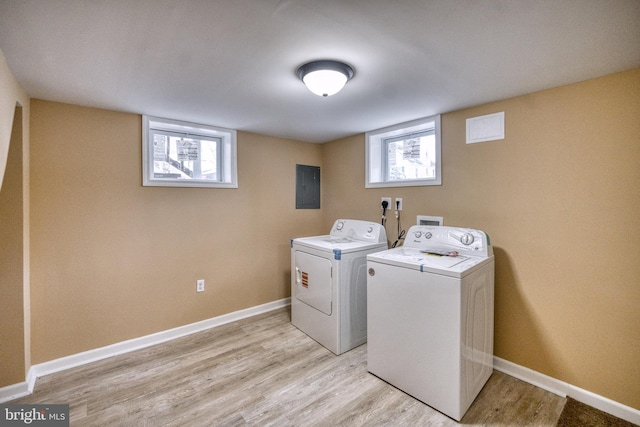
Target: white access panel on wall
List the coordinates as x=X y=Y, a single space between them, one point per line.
x=485 y=128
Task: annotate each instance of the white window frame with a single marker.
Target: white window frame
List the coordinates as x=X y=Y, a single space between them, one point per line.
x=227 y=153
x=376 y=156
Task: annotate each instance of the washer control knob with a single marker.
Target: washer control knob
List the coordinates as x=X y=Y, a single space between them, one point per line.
x=339 y=225
x=369 y=230
x=467 y=239
x=418 y=234
x=428 y=235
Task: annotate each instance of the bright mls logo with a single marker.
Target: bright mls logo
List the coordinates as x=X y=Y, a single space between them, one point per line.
x=34 y=415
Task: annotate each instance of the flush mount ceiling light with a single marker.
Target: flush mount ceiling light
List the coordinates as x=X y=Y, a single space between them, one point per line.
x=325 y=78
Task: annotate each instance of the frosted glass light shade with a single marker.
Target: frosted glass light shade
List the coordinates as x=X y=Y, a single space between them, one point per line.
x=325 y=82
x=325 y=78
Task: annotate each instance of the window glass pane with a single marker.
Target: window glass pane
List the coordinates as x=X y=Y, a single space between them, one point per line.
x=411 y=157
x=182 y=157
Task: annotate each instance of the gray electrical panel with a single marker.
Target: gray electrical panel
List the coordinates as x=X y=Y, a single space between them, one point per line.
x=307 y=187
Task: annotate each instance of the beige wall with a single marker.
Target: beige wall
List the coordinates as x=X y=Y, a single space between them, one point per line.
x=559 y=198
x=112 y=260
x=14 y=229
x=12 y=263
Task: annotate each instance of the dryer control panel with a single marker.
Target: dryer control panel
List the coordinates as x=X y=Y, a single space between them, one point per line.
x=354 y=229
x=448 y=241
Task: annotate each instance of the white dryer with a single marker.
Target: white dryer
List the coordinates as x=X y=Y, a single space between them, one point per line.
x=430 y=316
x=329 y=283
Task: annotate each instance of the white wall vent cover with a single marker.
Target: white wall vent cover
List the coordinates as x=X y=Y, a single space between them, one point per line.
x=485 y=128
x=429 y=220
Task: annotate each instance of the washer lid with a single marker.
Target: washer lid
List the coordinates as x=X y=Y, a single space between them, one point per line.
x=330 y=243
x=416 y=259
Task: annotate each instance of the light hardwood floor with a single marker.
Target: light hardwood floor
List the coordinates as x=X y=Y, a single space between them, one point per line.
x=263 y=371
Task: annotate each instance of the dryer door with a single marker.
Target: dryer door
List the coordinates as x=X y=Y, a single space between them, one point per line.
x=313 y=281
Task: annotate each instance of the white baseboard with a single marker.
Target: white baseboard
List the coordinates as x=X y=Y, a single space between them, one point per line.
x=532 y=377
x=564 y=389
x=606 y=405
x=18 y=390
x=14 y=391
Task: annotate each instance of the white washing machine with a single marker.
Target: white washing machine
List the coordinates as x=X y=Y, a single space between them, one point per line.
x=430 y=316
x=329 y=283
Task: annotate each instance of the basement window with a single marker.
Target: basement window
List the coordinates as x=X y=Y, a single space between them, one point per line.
x=181 y=154
x=407 y=154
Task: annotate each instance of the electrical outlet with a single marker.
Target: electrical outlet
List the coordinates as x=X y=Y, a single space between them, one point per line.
x=398 y=205
x=388 y=200
x=200 y=285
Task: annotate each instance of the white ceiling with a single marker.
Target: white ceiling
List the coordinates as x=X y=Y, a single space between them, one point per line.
x=232 y=63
